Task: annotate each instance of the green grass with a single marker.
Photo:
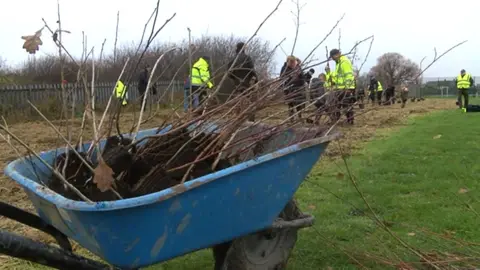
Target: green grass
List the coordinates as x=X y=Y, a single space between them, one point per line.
x=410 y=179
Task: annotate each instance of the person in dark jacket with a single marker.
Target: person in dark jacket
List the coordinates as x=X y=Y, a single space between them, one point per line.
x=243 y=76
x=372 y=88
x=294 y=86
x=243 y=73
x=390 y=95
x=317 y=90
x=318 y=95
x=143 y=82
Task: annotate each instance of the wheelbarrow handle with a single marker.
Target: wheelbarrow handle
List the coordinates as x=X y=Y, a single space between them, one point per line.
x=34 y=221
x=24 y=248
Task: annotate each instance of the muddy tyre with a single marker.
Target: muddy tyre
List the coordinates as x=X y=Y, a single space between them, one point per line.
x=266 y=250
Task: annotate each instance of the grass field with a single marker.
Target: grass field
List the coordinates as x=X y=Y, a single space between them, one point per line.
x=415 y=167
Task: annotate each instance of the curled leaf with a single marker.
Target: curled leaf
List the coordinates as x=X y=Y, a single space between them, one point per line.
x=32 y=42
x=437 y=136
x=103 y=176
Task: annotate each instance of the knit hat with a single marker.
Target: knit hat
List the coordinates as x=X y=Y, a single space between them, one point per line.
x=240 y=45
x=334 y=52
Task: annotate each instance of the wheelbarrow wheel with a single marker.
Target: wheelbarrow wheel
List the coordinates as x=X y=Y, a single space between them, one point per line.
x=266 y=250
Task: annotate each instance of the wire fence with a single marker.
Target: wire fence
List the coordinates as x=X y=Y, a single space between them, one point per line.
x=445 y=87
x=17 y=96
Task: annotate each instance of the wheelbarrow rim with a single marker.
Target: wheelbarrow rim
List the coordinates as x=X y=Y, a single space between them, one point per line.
x=68 y=204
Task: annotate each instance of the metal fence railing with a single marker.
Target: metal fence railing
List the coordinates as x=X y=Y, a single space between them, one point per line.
x=16 y=96
x=444 y=87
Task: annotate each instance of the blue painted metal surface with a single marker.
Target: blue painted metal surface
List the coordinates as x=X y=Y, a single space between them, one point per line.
x=218 y=207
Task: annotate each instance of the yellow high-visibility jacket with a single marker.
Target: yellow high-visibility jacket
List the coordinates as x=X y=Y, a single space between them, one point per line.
x=120 y=91
x=345 y=78
x=464 y=82
x=330 y=76
x=380 y=87
x=201 y=74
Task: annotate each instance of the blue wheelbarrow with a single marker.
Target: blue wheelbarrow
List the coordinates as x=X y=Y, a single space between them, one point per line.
x=246 y=213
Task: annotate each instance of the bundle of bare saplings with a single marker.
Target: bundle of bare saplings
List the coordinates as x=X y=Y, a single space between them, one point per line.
x=159 y=163
x=129 y=168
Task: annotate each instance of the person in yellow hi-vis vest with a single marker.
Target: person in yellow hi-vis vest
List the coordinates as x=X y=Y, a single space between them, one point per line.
x=379 y=93
x=120 y=92
x=200 y=78
x=463 y=81
x=344 y=85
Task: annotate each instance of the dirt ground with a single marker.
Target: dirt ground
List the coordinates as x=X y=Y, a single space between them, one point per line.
x=40 y=136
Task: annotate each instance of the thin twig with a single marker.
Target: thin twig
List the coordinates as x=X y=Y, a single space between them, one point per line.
x=55 y=172
x=116 y=39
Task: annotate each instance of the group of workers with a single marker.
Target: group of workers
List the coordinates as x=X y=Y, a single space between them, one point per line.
x=334 y=91
x=377 y=94
x=121 y=89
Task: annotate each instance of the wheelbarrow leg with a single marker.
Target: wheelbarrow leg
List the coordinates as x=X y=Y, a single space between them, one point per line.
x=34 y=221
x=269 y=249
x=220 y=253
x=24 y=248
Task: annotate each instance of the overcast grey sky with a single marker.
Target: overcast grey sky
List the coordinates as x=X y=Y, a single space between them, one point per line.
x=410 y=27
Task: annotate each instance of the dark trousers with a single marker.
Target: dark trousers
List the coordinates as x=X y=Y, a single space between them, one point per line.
x=376 y=96
x=201 y=92
x=360 y=98
x=371 y=96
x=404 y=98
x=295 y=97
x=379 y=97
x=345 y=100
x=248 y=97
x=462 y=92
x=202 y=96
x=296 y=106
x=148 y=101
x=389 y=97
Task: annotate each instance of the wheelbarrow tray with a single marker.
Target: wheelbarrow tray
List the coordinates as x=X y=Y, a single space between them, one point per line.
x=209 y=210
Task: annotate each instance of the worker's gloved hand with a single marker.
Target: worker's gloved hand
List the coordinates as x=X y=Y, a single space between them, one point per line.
x=210 y=85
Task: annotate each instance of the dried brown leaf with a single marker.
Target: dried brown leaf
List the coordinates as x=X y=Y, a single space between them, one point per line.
x=312 y=207
x=437 y=136
x=411 y=234
x=340 y=176
x=462 y=191
x=103 y=176
x=32 y=42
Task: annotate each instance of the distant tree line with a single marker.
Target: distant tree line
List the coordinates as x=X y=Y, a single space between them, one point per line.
x=174 y=65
